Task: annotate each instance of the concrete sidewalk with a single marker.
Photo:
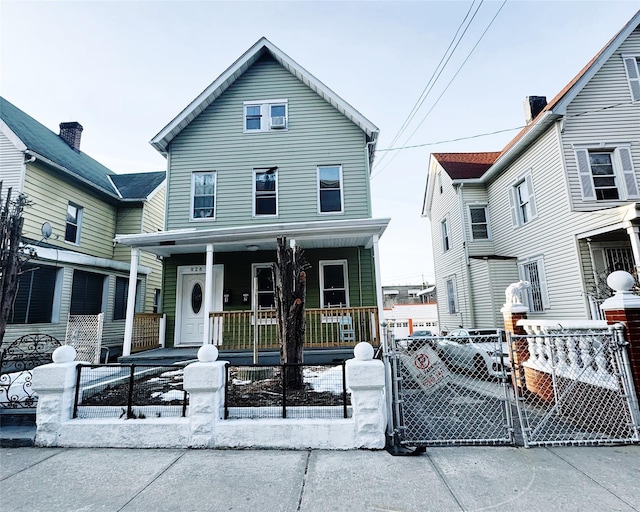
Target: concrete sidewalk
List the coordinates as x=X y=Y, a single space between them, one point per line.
x=442 y=479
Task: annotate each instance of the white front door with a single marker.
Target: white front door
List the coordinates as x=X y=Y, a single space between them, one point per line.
x=190 y=314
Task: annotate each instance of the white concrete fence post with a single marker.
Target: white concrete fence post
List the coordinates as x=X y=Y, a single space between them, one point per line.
x=55 y=384
x=204 y=427
x=204 y=381
x=366 y=380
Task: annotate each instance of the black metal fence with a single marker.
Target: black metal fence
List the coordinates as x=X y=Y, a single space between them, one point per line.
x=129 y=391
x=286 y=391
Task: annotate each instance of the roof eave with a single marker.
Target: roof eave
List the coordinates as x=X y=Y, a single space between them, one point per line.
x=541 y=125
x=162 y=140
x=73 y=175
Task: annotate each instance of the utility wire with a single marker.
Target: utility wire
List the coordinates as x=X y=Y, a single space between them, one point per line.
x=450 y=140
x=447 y=86
x=446 y=56
x=577 y=114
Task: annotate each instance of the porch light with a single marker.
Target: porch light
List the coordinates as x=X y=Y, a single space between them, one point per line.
x=252 y=248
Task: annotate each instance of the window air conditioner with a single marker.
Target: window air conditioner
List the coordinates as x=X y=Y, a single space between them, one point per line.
x=279 y=122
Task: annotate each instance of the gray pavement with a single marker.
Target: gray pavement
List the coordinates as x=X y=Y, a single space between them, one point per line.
x=442 y=479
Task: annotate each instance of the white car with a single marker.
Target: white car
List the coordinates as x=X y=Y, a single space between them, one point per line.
x=480 y=351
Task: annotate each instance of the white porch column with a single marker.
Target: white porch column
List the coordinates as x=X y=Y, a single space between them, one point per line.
x=632 y=231
x=208 y=295
x=131 y=301
x=376 y=260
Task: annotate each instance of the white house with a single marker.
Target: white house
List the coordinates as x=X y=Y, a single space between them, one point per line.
x=556 y=207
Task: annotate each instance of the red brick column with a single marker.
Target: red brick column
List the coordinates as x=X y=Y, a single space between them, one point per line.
x=511 y=314
x=624 y=308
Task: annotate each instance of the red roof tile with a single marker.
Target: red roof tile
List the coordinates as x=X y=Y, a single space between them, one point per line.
x=461 y=166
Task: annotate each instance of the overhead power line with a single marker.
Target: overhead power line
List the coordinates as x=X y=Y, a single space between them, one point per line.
x=446 y=56
x=450 y=140
x=577 y=114
x=446 y=87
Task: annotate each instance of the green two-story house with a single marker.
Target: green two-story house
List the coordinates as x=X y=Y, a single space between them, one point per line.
x=266 y=150
x=76 y=206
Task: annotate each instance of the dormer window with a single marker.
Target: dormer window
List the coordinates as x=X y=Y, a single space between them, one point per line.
x=265 y=116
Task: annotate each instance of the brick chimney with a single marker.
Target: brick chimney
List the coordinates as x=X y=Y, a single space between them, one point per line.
x=71 y=133
x=533 y=105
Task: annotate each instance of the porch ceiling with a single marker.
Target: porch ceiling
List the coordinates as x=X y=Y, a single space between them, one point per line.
x=308 y=235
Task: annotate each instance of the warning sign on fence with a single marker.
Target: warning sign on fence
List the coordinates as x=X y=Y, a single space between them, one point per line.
x=425 y=368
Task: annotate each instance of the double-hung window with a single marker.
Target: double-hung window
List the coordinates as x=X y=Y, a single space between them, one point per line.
x=74 y=220
x=479 y=222
x=330 y=196
x=444 y=232
x=334 y=287
x=606 y=173
x=203 y=195
x=265 y=192
x=452 y=297
x=632 y=67
x=265 y=115
x=522 y=201
x=532 y=270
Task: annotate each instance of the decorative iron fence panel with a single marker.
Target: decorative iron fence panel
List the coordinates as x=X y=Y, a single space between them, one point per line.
x=451 y=390
x=16 y=364
x=270 y=391
x=129 y=391
x=574 y=388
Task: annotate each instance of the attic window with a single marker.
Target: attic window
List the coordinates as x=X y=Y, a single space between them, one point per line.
x=265 y=116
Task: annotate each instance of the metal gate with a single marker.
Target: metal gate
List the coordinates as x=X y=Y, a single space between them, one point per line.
x=547 y=389
x=451 y=390
x=574 y=387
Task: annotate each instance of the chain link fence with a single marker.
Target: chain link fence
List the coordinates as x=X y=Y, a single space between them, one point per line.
x=452 y=390
x=556 y=388
x=574 y=388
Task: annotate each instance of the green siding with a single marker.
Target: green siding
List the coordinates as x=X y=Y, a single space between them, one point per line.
x=50 y=196
x=317 y=135
x=237 y=277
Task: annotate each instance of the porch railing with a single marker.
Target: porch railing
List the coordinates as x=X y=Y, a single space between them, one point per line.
x=325 y=327
x=148 y=331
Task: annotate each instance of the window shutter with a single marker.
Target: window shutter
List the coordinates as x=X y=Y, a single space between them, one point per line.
x=584 y=171
x=543 y=284
x=532 y=200
x=512 y=205
x=632 y=74
x=629 y=175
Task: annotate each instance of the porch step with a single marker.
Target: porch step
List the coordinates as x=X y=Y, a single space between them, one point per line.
x=237 y=357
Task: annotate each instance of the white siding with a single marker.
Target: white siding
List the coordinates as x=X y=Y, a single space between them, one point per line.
x=11 y=166
x=591 y=120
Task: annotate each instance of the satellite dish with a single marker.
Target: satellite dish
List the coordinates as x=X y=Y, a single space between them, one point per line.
x=46 y=230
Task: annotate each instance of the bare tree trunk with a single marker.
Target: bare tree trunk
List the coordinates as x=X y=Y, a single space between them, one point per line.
x=11 y=223
x=290 y=282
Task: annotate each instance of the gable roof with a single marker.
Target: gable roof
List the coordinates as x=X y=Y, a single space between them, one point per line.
x=138 y=186
x=238 y=68
x=557 y=106
x=461 y=166
x=44 y=143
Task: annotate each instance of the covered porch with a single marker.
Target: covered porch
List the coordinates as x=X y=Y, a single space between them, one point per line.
x=217 y=285
x=609 y=248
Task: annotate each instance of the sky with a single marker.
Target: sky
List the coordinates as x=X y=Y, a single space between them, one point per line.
x=124 y=70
